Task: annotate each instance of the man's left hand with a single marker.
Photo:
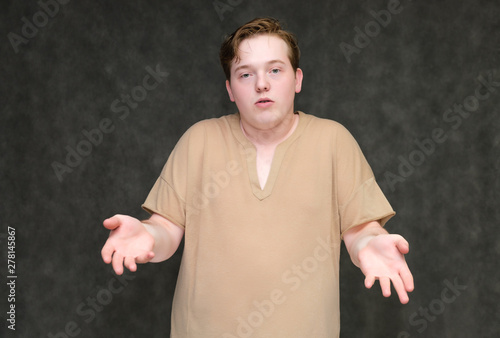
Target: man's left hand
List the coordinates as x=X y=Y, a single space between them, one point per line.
x=383 y=258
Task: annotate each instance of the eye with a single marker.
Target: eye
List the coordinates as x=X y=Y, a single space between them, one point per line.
x=275 y=70
x=244 y=76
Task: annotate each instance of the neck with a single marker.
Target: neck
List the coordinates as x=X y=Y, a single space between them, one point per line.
x=273 y=136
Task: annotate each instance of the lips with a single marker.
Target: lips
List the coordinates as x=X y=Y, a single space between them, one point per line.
x=264 y=101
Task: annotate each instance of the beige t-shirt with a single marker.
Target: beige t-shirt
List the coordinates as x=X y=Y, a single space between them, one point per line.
x=263 y=262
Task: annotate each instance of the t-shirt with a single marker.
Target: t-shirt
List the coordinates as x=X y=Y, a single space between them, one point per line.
x=263 y=262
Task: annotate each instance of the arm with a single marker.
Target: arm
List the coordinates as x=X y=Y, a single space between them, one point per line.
x=132 y=241
x=167 y=237
x=380 y=256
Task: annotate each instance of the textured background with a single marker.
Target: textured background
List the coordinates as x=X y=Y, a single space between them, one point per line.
x=393 y=94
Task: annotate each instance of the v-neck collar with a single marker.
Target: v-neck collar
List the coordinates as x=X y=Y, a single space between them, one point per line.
x=250 y=153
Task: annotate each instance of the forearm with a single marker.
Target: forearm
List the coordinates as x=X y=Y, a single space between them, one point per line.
x=358 y=237
x=167 y=237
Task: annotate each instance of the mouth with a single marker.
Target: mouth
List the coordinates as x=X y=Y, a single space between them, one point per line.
x=264 y=101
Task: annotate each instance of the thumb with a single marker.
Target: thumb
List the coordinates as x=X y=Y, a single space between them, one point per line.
x=112 y=222
x=403 y=246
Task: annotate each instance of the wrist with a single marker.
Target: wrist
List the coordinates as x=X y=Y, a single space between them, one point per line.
x=358 y=246
x=148 y=227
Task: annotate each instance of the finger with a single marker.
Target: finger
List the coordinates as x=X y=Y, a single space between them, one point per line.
x=385 y=286
x=145 y=258
x=369 y=281
x=112 y=222
x=129 y=263
x=117 y=263
x=400 y=290
x=107 y=252
x=407 y=278
x=403 y=246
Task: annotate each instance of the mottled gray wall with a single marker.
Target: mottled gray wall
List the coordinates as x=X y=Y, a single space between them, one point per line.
x=408 y=87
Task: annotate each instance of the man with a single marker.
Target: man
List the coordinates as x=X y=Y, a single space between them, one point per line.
x=263 y=198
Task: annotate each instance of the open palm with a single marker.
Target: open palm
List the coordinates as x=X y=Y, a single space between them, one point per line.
x=383 y=259
x=129 y=243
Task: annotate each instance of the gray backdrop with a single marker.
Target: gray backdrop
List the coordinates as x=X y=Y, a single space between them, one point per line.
x=83 y=139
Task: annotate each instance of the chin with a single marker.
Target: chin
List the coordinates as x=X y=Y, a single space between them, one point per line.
x=268 y=122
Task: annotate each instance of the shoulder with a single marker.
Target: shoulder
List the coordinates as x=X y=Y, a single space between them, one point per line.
x=207 y=134
x=326 y=128
x=209 y=126
x=201 y=130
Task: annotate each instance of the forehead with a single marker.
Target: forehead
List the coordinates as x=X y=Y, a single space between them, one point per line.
x=262 y=48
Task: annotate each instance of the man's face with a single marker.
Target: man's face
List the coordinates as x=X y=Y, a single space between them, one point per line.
x=263 y=83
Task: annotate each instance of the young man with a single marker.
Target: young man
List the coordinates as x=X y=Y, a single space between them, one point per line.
x=263 y=198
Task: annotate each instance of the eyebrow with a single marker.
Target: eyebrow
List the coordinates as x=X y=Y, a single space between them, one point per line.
x=267 y=63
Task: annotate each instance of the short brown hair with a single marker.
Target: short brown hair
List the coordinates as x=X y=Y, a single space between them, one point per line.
x=229 y=48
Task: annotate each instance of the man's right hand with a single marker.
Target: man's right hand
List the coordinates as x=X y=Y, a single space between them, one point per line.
x=129 y=243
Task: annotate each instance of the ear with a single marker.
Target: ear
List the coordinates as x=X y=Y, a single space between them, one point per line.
x=298 y=80
x=229 y=91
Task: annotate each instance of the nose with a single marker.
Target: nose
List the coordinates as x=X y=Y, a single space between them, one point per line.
x=262 y=84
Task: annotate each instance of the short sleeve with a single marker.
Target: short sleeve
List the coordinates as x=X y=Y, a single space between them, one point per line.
x=168 y=195
x=360 y=199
